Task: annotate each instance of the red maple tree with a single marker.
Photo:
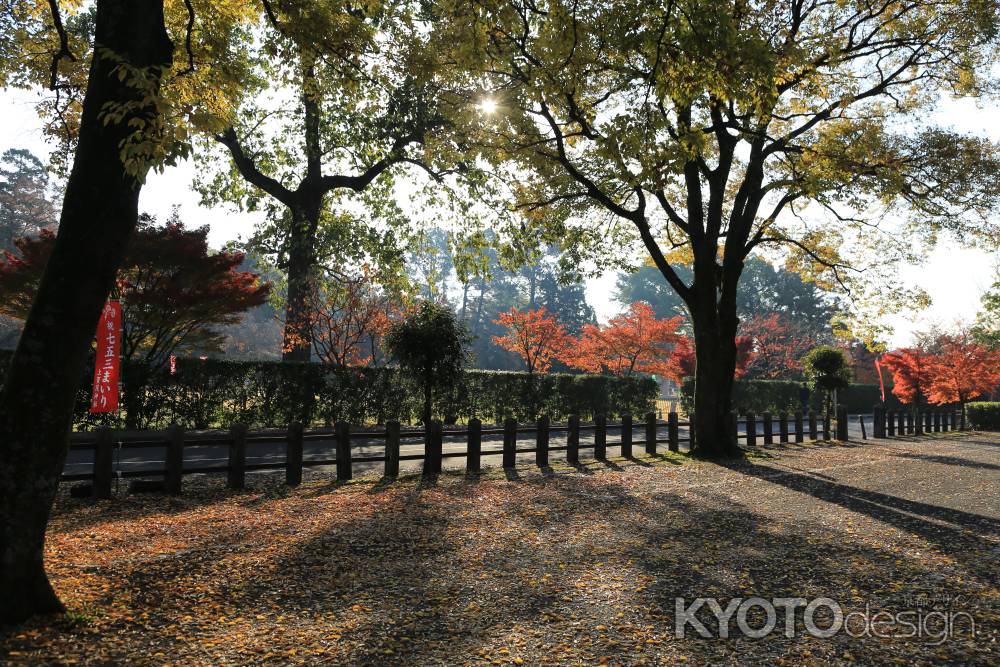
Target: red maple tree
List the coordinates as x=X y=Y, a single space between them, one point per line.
x=962 y=370
x=175 y=292
x=684 y=360
x=911 y=370
x=778 y=345
x=632 y=342
x=535 y=336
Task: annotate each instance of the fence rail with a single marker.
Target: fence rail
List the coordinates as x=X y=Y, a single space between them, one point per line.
x=751 y=430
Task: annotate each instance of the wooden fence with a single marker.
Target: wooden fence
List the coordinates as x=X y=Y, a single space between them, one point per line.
x=104 y=443
x=889 y=423
x=751 y=430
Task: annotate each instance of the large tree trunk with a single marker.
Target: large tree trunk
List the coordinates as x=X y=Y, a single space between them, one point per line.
x=715 y=324
x=99 y=213
x=298 y=335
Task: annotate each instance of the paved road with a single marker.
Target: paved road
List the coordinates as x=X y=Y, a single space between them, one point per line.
x=152 y=458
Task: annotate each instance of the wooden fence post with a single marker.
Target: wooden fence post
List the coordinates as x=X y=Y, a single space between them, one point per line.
x=864 y=433
x=751 y=420
x=509 y=443
x=433 y=444
x=901 y=428
x=800 y=435
x=237 y=475
x=542 y=441
x=961 y=420
x=909 y=423
x=600 y=437
x=174 y=460
x=626 y=447
x=928 y=421
x=878 y=422
x=103 y=464
x=651 y=433
x=673 y=432
x=954 y=420
x=843 y=434
x=573 y=440
x=392 y=449
x=293 y=455
x=768 y=428
x=345 y=468
x=475 y=445
x=783 y=427
x=813 y=430
x=890 y=422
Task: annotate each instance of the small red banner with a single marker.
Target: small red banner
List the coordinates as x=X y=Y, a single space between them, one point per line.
x=104 y=397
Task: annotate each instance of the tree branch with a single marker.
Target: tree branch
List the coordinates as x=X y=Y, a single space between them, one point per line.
x=248 y=169
x=63 y=51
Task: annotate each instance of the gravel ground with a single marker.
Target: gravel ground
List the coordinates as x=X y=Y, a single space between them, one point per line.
x=564 y=566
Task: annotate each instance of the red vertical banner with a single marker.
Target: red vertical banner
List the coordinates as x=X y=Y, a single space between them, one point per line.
x=104 y=397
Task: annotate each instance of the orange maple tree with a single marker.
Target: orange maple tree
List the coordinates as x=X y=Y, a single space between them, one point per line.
x=962 y=370
x=632 y=342
x=911 y=370
x=349 y=320
x=535 y=336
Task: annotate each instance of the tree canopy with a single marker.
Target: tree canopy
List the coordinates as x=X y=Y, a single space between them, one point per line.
x=986 y=329
x=707 y=130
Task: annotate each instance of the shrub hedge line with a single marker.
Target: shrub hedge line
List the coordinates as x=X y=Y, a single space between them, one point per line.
x=217 y=393
x=776 y=396
x=984 y=415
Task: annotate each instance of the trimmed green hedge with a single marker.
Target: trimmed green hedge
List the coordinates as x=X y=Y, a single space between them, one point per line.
x=216 y=393
x=776 y=396
x=984 y=415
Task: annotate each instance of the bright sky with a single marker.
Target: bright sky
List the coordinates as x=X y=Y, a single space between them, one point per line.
x=954 y=276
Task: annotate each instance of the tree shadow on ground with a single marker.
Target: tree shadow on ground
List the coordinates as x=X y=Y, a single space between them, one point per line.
x=964 y=535
x=948 y=460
